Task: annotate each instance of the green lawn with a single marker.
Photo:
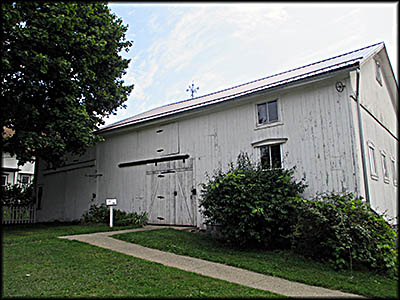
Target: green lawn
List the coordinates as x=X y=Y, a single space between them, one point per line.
x=282 y=264
x=38 y=264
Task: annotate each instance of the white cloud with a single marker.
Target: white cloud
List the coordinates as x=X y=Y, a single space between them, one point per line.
x=154 y=24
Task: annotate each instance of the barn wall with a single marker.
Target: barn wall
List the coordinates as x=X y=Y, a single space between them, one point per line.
x=67 y=191
x=376 y=99
x=315 y=119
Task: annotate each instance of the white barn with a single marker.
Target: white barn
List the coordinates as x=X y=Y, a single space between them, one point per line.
x=335 y=120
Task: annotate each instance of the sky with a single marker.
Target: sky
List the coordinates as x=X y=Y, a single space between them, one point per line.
x=220 y=45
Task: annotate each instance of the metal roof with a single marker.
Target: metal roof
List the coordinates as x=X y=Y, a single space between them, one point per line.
x=317 y=68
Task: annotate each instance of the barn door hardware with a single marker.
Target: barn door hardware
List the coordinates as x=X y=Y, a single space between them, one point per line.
x=160 y=197
x=153 y=160
x=168 y=172
x=175 y=193
x=194 y=192
x=160 y=150
x=160 y=218
x=93 y=175
x=159 y=130
x=160 y=176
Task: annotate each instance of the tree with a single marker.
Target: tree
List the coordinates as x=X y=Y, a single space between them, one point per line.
x=61 y=75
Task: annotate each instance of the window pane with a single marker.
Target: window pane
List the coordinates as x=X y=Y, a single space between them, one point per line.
x=265 y=159
x=372 y=160
x=25 y=179
x=272 y=111
x=384 y=166
x=394 y=172
x=276 y=156
x=262 y=113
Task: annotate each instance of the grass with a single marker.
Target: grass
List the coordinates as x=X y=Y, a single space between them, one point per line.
x=36 y=264
x=284 y=264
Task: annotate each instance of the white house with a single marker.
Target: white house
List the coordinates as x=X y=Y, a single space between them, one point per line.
x=12 y=173
x=335 y=120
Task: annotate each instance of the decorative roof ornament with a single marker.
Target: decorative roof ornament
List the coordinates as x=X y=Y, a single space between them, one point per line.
x=192 y=89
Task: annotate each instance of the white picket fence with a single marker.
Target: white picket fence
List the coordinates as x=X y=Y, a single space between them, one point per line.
x=18 y=214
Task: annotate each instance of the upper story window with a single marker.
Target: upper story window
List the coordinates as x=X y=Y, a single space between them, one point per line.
x=394 y=171
x=271 y=156
x=385 y=167
x=372 y=161
x=378 y=72
x=267 y=112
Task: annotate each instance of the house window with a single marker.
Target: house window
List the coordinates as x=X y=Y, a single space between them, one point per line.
x=271 y=156
x=384 y=167
x=372 y=161
x=267 y=112
x=25 y=179
x=4 y=179
x=394 y=171
x=378 y=72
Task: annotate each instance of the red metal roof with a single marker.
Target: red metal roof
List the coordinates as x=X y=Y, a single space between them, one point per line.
x=317 y=68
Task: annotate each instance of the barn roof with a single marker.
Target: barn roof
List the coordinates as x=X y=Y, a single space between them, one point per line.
x=280 y=79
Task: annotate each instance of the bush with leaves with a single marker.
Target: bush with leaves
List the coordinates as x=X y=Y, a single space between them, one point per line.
x=344 y=231
x=17 y=195
x=251 y=204
x=101 y=214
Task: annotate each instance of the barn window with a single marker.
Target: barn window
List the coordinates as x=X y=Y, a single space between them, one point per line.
x=267 y=112
x=372 y=161
x=271 y=156
x=378 y=72
x=394 y=171
x=384 y=167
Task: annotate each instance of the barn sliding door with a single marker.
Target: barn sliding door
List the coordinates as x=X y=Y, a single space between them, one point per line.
x=169 y=193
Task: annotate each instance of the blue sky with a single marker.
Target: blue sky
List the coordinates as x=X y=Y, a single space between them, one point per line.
x=220 y=45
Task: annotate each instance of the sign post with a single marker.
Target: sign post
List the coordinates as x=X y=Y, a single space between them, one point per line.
x=111 y=202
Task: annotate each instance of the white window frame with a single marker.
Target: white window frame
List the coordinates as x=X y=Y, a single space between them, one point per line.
x=273 y=123
x=269 y=142
x=378 y=72
x=385 y=169
x=372 y=161
x=394 y=171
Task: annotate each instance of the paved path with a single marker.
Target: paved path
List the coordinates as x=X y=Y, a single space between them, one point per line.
x=206 y=268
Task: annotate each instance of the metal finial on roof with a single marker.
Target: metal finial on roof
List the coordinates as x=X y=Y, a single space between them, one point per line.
x=192 y=89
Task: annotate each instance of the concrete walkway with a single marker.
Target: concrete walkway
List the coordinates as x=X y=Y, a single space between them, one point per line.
x=206 y=268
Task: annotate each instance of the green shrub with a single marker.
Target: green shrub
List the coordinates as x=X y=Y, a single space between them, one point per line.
x=17 y=194
x=251 y=204
x=344 y=231
x=122 y=218
x=96 y=214
x=101 y=214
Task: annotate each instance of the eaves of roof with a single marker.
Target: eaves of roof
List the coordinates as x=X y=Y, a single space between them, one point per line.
x=316 y=69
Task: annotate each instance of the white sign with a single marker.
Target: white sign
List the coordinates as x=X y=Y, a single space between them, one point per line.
x=111 y=202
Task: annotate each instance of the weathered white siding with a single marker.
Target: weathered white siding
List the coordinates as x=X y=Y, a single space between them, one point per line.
x=377 y=103
x=314 y=120
x=68 y=191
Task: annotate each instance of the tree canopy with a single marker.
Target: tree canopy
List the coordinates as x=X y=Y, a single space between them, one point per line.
x=61 y=75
